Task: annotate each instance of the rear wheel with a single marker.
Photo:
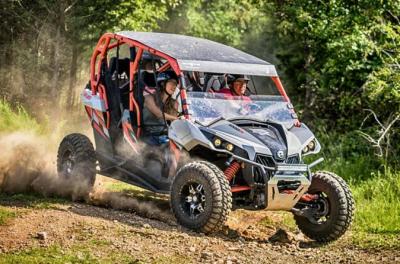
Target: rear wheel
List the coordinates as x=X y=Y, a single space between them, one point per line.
x=200 y=197
x=76 y=162
x=327 y=217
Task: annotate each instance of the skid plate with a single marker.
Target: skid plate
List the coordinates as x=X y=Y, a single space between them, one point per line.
x=285 y=200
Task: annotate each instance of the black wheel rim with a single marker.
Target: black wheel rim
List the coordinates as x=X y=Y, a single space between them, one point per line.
x=193 y=199
x=321 y=209
x=68 y=163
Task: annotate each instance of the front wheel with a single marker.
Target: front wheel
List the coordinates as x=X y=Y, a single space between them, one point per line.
x=329 y=215
x=200 y=197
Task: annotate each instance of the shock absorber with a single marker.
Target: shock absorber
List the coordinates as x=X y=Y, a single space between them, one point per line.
x=231 y=171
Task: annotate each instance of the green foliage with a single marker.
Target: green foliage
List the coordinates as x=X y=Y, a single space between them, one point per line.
x=341 y=57
x=16 y=119
x=223 y=21
x=45 y=44
x=344 y=54
x=378 y=204
x=346 y=154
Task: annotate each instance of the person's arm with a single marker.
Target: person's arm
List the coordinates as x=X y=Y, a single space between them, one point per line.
x=153 y=108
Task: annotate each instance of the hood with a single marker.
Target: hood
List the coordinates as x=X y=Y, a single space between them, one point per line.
x=263 y=140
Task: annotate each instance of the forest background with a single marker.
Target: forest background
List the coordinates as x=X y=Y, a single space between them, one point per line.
x=338 y=60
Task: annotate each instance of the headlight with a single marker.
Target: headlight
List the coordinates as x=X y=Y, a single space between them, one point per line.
x=311 y=145
x=305 y=149
x=229 y=147
x=217 y=142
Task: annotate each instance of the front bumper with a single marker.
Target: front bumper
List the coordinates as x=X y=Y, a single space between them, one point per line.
x=299 y=174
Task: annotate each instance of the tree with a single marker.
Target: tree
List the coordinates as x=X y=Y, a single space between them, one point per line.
x=43 y=42
x=341 y=56
x=224 y=21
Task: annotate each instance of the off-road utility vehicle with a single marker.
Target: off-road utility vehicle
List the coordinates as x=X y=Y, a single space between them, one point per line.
x=224 y=152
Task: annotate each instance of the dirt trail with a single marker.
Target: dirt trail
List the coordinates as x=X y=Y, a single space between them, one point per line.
x=117 y=223
x=144 y=239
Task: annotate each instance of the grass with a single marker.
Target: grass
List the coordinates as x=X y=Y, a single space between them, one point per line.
x=53 y=254
x=6 y=215
x=377 y=219
x=31 y=200
x=82 y=253
x=117 y=186
x=16 y=119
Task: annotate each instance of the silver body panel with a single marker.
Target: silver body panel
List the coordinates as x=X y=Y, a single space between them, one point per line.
x=93 y=101
x=188 y=134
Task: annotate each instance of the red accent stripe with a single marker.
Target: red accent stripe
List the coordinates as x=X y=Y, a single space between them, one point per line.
x=174 y=148
x=240 y=188
x=88 y=111
x=127 y=129
x=96 y=126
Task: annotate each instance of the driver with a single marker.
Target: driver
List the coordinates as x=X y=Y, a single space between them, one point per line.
x=237 y=86
x=154 y=103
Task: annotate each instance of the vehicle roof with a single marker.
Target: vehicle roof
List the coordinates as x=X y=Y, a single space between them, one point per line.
x=197 y=54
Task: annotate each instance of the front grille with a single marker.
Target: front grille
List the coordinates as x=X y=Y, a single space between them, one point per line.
x=294 y=159
x=265 y=160
x=270 y=162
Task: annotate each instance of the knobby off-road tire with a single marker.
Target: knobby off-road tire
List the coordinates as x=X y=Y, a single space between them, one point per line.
x=340 y=208
x=76 y=161
x=215 y=190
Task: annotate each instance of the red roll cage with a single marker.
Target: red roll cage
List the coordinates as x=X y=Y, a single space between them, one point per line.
x=112 y=40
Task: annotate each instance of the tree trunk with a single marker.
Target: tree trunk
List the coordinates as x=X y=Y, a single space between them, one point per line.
x=72 y=77
x=57 y=64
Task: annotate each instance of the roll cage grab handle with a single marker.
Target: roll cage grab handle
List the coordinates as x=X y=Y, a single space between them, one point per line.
x=100 y=53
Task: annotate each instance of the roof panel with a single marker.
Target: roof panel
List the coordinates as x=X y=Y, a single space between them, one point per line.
x=191 y=49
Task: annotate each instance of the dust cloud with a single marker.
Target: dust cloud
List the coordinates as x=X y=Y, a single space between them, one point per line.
x=118 y=201
x=28 y=164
